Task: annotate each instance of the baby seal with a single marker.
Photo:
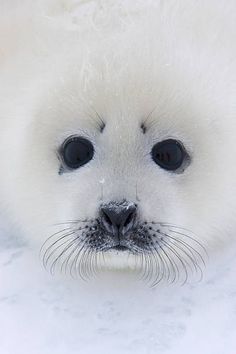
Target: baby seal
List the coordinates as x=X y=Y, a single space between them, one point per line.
x=118 y=133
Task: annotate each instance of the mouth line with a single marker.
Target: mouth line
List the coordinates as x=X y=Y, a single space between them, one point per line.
x=120 y=248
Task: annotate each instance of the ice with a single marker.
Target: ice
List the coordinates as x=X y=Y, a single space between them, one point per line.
x=44 y=314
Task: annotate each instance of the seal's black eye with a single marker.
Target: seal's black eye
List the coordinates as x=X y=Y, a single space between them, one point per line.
x=168 y=154
x=76 y=152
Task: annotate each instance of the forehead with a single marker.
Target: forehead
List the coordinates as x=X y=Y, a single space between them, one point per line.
x=150 y=98
x=159 y=58
x=125 y=77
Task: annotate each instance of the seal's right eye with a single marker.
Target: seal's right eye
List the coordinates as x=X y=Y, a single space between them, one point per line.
x=76 y=151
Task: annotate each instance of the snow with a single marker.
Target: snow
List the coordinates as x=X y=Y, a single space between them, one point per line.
x=44 y=314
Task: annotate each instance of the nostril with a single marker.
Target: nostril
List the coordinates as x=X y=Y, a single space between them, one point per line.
x=129 y=219
x=107 y=218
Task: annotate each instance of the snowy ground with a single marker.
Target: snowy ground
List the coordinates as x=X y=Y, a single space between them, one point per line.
x=41 y=314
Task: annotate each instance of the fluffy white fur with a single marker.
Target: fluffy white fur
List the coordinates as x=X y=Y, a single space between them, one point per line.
x=63 y=61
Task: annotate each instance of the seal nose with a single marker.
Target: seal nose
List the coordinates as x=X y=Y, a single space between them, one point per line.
x=118 y=218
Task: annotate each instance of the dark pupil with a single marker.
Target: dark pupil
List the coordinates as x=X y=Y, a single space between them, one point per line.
x=77 y=152
x=168 y=154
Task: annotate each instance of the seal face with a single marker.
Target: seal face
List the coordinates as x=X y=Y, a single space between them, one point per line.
x=117 y=138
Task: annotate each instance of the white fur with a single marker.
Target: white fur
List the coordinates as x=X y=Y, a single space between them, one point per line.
x=60 y=61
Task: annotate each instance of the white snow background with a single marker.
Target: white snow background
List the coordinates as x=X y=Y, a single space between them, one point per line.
x=44 y=314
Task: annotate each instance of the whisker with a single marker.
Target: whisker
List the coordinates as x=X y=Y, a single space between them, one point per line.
x=191 y=238
x=165 y=265
x=88 y=263
x=150 y=268
x=172 y=263
x=80 y=268
x=73 y=222
x=179 y=258
x=55 y=249
x=53 y=265
x=144 y=266
x=193 y=261
x=173 y=226
x=189 y=247
x=50 y=237
x=160 y=269
x=79 y=248
x=67 y=260
x=164 y=252
x=166 y=224
x=94 y=264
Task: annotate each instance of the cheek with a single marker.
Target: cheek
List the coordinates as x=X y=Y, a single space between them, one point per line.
x=78 y=195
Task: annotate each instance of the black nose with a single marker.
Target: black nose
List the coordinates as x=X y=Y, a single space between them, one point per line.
x=118 y=218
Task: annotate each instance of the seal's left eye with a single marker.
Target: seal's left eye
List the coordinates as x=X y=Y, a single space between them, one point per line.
x=76 y=152
x=169 y=154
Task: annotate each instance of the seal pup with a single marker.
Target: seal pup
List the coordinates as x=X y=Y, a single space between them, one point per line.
x=118 y=133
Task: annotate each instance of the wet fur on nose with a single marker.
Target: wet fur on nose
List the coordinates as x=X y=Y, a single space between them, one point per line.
x=118 y=218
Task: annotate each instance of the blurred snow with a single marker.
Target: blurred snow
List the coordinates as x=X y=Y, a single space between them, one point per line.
x=41 y=314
